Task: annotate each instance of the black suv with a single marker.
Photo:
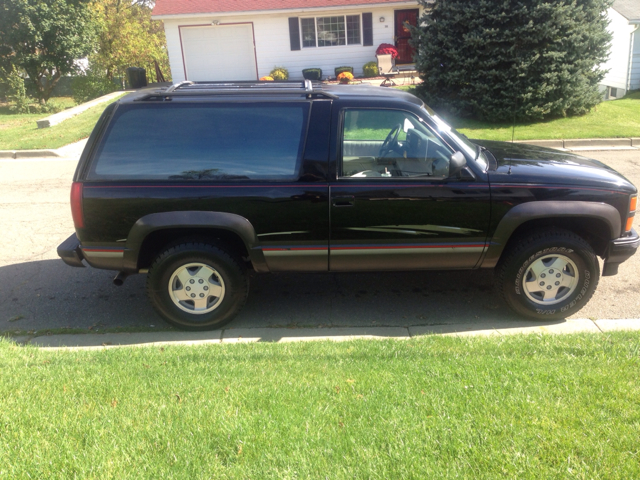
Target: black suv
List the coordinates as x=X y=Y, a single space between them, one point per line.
x=198 y=183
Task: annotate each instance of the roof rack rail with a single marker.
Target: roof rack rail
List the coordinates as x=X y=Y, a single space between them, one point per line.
x=188 y=88
x=175 y=86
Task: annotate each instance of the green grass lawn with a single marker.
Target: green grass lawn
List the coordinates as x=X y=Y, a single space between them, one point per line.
x=432 y=407
x=610 y=119
x=20 y=132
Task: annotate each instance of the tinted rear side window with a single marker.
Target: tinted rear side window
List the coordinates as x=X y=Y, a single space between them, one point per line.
x=203 y=142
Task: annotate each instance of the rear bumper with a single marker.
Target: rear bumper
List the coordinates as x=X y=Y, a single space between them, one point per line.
x=70 y=253
x=620 y=250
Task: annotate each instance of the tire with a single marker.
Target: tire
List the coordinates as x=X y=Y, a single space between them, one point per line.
x=215 y=279
x=548 y=275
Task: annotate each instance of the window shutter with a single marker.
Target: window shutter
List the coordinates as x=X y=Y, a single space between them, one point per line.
x=294 y=33
x=367 y=29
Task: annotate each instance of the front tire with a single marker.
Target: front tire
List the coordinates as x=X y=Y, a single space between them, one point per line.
x=548 y=275
x=197 y=286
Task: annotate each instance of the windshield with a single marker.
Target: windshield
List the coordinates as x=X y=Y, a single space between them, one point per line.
x=470 y=148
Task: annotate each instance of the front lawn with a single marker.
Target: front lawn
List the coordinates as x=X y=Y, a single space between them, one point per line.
x=20 y=132
x=610 y=119
x=432 y=407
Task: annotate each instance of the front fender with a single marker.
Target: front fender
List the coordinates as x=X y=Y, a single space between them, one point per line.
x=525 y=212
x=192 y=219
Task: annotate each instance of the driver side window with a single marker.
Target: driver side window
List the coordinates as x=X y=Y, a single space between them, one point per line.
x=391 y=143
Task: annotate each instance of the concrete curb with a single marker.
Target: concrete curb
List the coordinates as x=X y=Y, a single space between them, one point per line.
x=17 y=154
x=587 y=144
x=284 y=335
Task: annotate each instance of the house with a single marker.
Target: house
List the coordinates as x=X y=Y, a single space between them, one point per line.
x=245 y=40
x=624 y=59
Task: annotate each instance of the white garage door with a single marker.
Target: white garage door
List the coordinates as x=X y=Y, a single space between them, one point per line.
x=222 y=52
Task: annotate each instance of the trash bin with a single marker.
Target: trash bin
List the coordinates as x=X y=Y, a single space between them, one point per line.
x=137 y=77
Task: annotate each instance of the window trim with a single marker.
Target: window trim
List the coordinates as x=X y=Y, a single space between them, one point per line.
x=346 y=37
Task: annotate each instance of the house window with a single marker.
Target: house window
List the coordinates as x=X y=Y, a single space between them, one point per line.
x=308 y=27
x=353 y=29
x=330 y=31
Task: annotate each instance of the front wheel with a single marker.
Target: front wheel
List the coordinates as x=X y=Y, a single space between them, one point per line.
x=197 y=286
x=549 y=275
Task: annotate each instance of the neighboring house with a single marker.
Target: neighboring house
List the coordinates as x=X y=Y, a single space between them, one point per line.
x=624 y=60
x=245 y=40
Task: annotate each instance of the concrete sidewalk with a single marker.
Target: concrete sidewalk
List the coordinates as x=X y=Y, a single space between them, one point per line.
x=60 y=117
x=283 y=335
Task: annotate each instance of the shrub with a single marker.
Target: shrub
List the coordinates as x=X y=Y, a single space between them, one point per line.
x=279 y=73
x=339 y=70
x=266 y=78
x=345 y=77
x=387 y=49
x=17 y=93
x=90 y=86
x=370 y=69
x=50 y=107
x=497 y=60
x=312 y=73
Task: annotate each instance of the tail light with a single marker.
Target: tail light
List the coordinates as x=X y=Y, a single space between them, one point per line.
x=633 y=203
x=76 y=205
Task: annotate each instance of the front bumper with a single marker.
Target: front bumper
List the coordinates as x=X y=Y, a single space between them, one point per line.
x=620 y=250
x=70 y=253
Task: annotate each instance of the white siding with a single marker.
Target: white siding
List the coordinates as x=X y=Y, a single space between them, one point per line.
x=634 y=72
x=618 y=63
x=174 y=49
x=273 y=45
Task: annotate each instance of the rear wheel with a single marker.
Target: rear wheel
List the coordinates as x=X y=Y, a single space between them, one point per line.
x=548 y=275
x=197 y=286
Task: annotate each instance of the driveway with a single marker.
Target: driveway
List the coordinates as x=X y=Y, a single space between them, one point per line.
x=38 y=291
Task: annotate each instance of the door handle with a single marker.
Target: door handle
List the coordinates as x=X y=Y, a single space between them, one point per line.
x=344 y=201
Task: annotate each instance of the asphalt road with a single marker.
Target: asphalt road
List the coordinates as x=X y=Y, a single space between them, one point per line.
x=39 y=292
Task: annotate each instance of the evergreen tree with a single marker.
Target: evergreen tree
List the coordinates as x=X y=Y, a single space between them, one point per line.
x=500 y=59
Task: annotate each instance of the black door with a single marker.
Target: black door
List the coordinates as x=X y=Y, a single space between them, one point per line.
x=394 y=205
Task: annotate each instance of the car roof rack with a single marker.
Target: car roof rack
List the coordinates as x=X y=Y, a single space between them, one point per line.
x=188 y=88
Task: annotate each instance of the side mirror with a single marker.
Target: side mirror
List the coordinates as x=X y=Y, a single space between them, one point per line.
x=456 y=163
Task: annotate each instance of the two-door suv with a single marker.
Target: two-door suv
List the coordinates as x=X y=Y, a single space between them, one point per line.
x=197 y=183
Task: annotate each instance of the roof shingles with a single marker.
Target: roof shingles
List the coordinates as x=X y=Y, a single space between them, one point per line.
x=180 y=7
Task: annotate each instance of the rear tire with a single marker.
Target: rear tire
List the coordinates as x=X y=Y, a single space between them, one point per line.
x=548 y=275
x=197 y=286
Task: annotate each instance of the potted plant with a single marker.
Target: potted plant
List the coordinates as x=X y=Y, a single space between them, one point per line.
x=312 y=73
x=370 y=69
x=345 y=77
x=387 y=49
x=279 y=73
x=339 y=70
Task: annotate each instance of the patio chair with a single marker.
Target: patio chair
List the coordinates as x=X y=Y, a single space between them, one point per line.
x=387 y=68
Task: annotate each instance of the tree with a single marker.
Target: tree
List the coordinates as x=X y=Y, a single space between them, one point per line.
x=44 y=38
x=500 y=59
x=127 y=37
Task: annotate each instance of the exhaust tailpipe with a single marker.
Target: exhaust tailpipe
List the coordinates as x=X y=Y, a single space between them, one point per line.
x=120 y=278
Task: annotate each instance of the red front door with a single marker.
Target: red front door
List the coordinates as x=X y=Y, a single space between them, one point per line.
x=403 y=18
